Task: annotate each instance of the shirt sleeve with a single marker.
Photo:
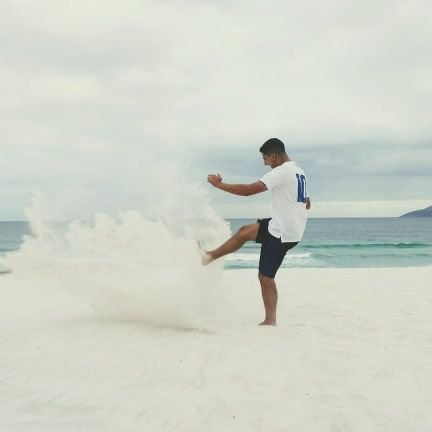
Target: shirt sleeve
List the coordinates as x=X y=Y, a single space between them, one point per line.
x=271 y=179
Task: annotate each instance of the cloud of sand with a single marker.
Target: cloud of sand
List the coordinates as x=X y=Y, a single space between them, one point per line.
x=139 y=265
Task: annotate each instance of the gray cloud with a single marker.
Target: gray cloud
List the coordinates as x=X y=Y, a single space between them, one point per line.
x=94 y=90
x=362 y=171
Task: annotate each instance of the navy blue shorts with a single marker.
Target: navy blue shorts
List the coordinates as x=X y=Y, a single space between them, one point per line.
x=273 y=251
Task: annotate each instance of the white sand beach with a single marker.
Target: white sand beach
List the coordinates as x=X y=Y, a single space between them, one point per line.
x=352 y=352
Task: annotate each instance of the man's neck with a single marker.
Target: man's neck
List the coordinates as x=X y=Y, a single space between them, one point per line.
x=282 y=160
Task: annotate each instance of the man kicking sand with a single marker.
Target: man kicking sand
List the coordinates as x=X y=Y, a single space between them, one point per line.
x=278 y=234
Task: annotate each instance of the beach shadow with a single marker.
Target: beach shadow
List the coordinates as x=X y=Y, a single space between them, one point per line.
x=112 y=321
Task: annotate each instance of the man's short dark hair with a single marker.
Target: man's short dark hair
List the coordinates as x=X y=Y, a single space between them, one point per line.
x=272 y=145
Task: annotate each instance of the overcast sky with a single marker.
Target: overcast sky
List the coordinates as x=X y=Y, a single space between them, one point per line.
x=105 y=103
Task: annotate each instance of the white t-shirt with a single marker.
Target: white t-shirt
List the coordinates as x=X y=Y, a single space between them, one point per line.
x=287 y=184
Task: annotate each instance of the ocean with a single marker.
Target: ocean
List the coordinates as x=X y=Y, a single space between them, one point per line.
x=332 y=243
x=351 y=242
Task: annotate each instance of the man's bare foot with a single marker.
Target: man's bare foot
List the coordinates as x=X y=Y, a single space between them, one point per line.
x=206 y=258
x=268 y=322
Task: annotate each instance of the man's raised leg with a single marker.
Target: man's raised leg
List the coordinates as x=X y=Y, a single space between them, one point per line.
x=244 y=234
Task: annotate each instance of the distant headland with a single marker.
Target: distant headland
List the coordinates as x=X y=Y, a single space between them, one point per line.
x=427 y=212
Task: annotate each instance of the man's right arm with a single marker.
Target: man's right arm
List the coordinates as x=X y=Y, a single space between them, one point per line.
x=236 y=189
x=243 y=189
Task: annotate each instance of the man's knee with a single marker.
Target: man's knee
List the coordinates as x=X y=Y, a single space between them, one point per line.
x=264 y=279
x=241 y=232
x=247 y=232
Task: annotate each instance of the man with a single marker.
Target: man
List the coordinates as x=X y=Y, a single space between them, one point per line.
x=278 y=234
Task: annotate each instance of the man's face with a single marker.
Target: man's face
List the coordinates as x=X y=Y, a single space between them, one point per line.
x=269 y=159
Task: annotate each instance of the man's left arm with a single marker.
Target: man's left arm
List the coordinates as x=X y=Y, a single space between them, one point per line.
x=236 y=189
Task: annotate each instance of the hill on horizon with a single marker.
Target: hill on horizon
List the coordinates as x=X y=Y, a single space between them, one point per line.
x=427 y=212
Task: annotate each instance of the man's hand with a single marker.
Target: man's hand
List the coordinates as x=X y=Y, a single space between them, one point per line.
x=214 y=179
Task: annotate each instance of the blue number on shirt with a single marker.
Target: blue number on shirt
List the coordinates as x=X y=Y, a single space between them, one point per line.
x=301 y=188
